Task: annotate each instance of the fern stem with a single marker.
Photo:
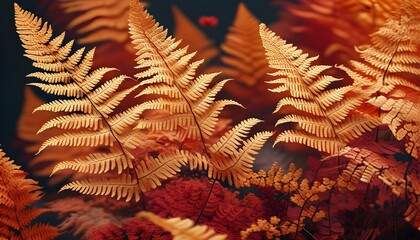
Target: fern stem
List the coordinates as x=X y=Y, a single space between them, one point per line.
x=205 y=203
x=181 y=93
x=383 y=83
x=114 y=135
x=300 y=214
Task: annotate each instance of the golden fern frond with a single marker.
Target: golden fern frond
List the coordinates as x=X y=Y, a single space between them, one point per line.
x=402 y=117
x=28 y=124
x=232 y=162
x=91 y=121
x=244 y=55
x=392 y=57
x=152 y=172
x=183 y=229
x=227 y=144
x=95 y=163
x=17 y=195
x=325 y=117
x=388 y=72
x=124 y=186
x=171 y=73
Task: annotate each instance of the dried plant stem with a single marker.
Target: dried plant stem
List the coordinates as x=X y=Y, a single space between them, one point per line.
x=205 y=203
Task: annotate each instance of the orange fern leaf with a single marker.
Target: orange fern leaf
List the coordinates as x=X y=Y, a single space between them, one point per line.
x=28 y=125
x=402 y=117
x=183 y=228
x=91 y=122
x=172 y=74
x=244 y=53
x=388 y=72
x=189 y=102
x=17 y=195
x=392 y=57
x=328 y=122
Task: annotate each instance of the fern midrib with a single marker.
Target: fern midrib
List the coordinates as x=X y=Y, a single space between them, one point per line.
x=161 y=165
x=72 y=72
x=245 y=150
x=173 y=75
x=383 y=82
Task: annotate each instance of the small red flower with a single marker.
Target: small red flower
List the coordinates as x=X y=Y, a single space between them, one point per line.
x=208 y=21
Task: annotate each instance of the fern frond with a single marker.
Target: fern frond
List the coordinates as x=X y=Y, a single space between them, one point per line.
x=124 y=186
x=391 y=59
x=74 y=121
x=28 y=124
x=402 y=117
x=227 y=144
x=152 y=172
x=233 y=163
x=244 y=54
x=95 y=163
x=17 y=197
x=91 y=120
x=92 y=139
x=324 y=144
x=170 y=73
x=326 y=117
x=388 y=72
x=183 y=229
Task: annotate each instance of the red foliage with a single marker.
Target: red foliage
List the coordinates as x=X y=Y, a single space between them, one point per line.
x=224 y=211
x=130 y=229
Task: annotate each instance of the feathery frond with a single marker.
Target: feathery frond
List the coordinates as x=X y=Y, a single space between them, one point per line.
x=326 y=118
x=244 y=54
x=29 y=129
x=169 y=71
x=402 y=117
x=389 y=70
x=391 y=59
x=189 y=101
x=90 y=121
x=183 y=228
x=17 y=195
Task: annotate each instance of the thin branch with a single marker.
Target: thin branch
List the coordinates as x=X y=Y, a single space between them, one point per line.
x=205 y=203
